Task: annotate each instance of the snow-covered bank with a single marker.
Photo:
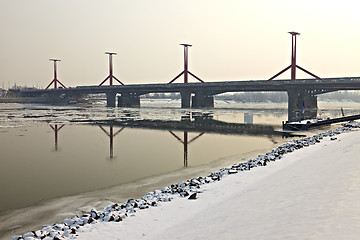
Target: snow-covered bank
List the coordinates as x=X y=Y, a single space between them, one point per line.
x=308 y=194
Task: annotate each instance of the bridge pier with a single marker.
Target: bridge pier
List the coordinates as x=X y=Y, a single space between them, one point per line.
x=202 y=99
x=185 y=99
x=128 y=100
x=111 y=99
x=301 y=105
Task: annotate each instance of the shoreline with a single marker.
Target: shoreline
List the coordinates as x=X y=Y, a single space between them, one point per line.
x=47 y=212
x=111 y=213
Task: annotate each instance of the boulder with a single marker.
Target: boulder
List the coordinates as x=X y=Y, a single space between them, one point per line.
x=193 y=196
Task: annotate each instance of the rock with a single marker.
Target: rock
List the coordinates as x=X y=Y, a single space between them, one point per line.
x=58 y=227
x=90 y=220
x=58 y=237
x=94 y=214
x=109 y=218
x=45 y=230
x=68 y=222
x=181 y=184
x=81 y=221
x=232 y=171
x=184 y=194
x=194 y=182
x=193 y=196
x=28 y=235
x=38 y=234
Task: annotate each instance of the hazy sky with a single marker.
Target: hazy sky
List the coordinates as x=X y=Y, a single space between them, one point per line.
x=232 y=39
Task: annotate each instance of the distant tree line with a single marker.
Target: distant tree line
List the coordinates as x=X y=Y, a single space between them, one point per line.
x=351 y=96
x=277 y=97
x=162 y=96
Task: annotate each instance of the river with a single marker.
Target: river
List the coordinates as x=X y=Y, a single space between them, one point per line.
x=54 y=164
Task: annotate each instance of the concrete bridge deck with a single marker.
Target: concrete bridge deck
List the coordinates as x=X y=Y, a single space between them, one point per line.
x=332 y=84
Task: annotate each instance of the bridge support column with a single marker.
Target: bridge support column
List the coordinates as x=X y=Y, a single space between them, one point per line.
x=128 y=100
x=185 y=99
x=301 y=105
x=202 y=100
x=111 y=99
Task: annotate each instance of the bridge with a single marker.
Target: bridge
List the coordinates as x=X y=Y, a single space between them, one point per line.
x=302 y=93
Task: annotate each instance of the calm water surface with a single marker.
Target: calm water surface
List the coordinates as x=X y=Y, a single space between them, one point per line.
x=53 y=165
x=34 y=168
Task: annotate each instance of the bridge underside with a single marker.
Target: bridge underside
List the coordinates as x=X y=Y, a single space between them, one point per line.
x=198 y=100
x=302 y=104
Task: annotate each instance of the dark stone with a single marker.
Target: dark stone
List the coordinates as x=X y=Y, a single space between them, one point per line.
x=193 y=184
x=94 y=214
x=193 y=196
x=90 y=220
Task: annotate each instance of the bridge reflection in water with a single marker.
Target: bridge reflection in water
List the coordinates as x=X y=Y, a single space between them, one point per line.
x=186 y=143
x=111 y=136
x=195 y=122
x=183 y=141
x=56 y=132
x=199 y=123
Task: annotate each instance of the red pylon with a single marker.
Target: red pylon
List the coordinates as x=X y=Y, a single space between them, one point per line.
x=56 y=130
x=293 y=65
x=111 y=135
x=186 y=71
x=186 y=143
x=111 y=76
x=55 y=80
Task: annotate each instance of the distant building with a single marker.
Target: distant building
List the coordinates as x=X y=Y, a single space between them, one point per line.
x=248 y=118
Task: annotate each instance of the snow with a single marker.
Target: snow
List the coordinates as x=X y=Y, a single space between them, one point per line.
x=311 y=193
